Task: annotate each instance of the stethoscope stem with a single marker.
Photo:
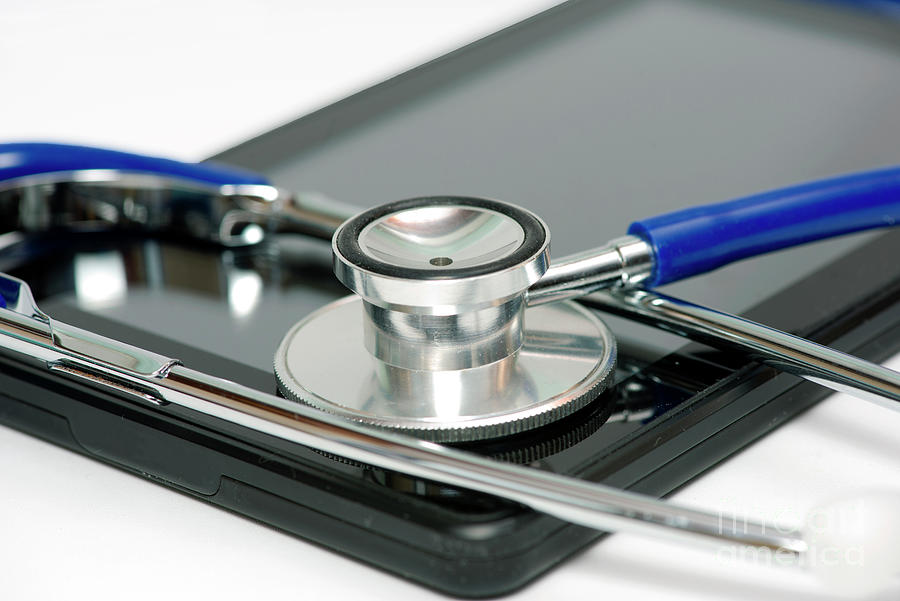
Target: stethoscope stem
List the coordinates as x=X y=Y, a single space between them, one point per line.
x=792 y=354
x=625 y=261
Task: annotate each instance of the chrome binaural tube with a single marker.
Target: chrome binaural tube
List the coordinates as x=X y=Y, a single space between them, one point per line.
x=27 y=335
x=585 y=503
x=792 y=354
x=625 y=261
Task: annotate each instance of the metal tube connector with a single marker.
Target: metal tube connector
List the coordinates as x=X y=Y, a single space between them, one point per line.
x=624 y=261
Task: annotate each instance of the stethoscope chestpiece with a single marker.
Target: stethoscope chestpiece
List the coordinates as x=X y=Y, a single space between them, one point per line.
x=439 y=341
x=442 y=279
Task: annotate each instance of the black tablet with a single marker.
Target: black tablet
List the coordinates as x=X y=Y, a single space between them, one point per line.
x=592 y=115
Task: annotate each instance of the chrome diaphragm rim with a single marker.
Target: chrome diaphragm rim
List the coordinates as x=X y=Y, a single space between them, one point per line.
x=567 y=360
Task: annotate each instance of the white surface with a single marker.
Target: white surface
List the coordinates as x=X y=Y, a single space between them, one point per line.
x=189 y=78
x=862 y=533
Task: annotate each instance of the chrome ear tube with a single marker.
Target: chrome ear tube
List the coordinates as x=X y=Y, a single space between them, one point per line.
x=28 y=334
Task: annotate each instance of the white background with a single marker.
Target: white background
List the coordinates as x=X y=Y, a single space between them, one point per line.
x=189 y=78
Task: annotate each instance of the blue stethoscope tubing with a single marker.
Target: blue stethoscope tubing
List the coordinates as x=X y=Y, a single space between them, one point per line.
x=29 y=159
x=684 y=243
x=700 y=239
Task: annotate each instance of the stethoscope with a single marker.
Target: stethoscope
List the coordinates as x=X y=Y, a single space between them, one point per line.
x=460 y=328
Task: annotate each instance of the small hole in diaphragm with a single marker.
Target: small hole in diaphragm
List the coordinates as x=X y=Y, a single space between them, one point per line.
x=441 y=261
